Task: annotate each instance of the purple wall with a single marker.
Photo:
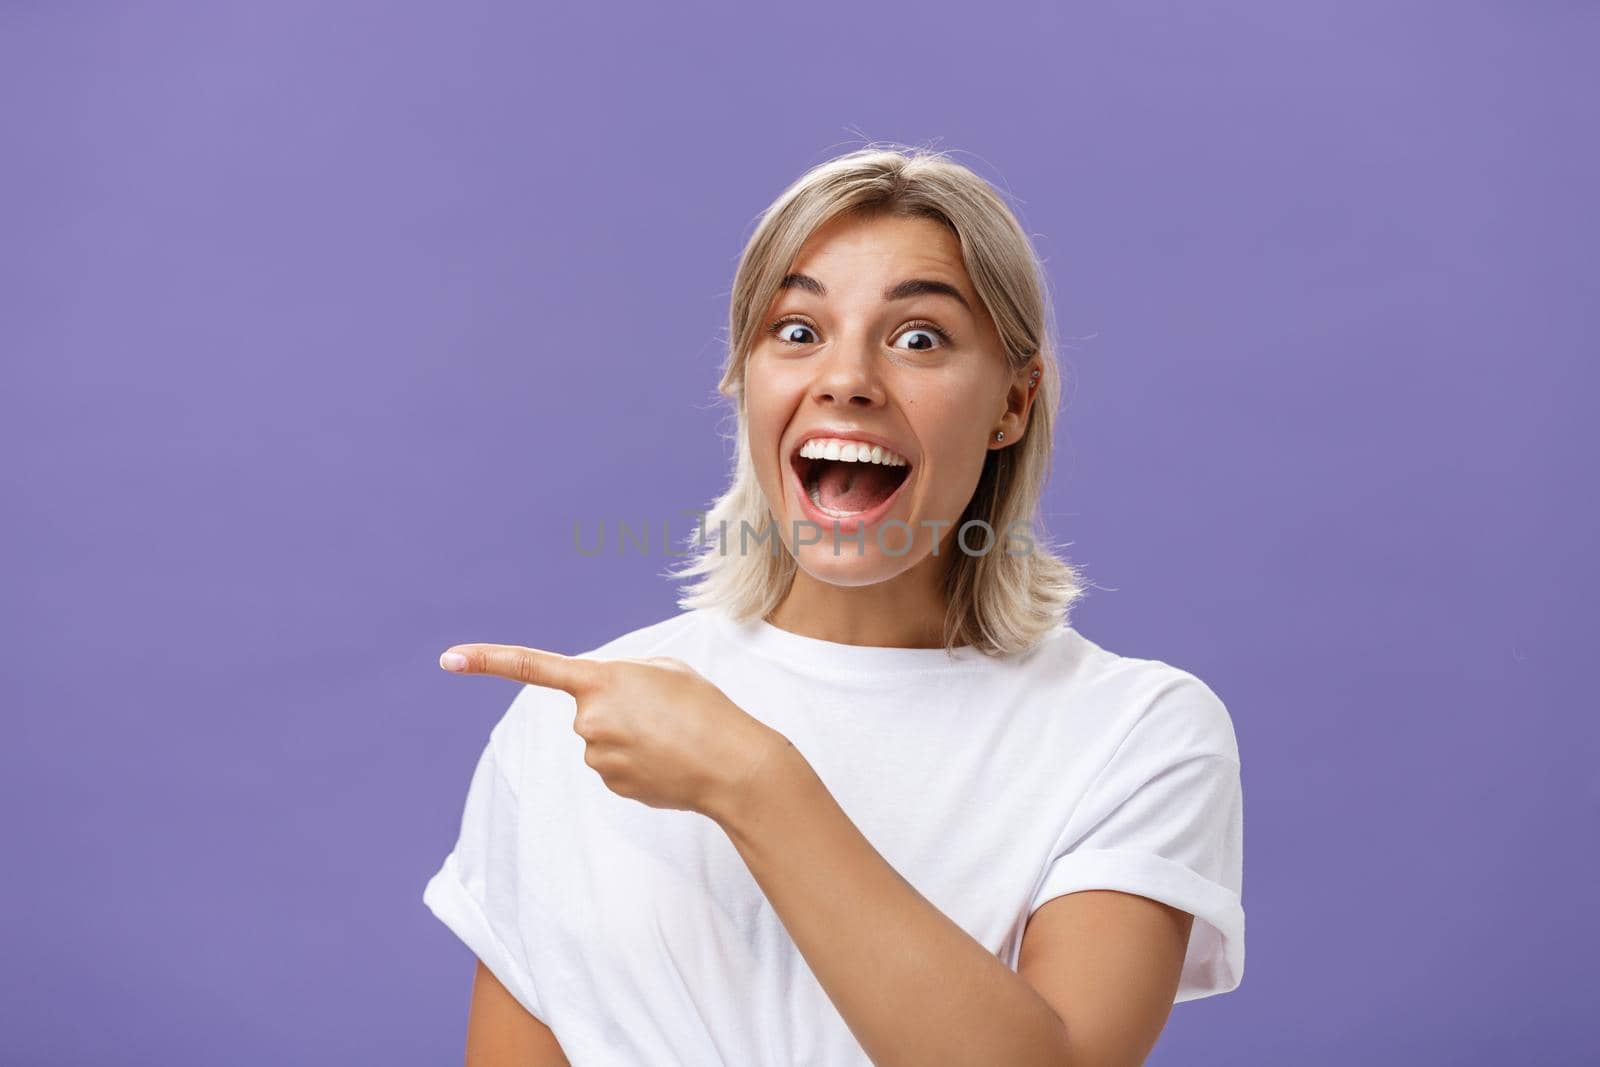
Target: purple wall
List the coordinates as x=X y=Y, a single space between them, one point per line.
x=321 y=324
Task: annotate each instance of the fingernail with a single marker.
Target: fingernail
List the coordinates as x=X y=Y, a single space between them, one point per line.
x=453 y=661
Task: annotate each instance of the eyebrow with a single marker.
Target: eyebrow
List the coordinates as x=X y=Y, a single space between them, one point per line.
x=908 y=288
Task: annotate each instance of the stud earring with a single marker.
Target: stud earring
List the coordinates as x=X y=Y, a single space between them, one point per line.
x=999 y=435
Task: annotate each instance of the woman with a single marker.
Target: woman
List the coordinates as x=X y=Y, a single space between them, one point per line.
x=868 y=798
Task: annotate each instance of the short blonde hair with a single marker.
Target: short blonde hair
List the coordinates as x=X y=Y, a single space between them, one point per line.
x=998 y=602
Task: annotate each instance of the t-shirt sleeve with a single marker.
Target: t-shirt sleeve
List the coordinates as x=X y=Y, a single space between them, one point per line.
x=475 y=890
x=1164 y=819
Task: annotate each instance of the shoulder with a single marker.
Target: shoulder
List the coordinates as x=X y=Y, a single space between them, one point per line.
x=1146 y=701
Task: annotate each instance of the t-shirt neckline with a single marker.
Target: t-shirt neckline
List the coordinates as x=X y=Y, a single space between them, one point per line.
x=799 y=650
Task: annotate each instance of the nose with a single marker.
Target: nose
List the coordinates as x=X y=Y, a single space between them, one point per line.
x=848 y=375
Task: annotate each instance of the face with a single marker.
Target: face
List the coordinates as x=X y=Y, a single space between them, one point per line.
x=911 y=385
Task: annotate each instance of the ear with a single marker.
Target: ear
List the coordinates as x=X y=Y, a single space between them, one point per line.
x=1019 y=402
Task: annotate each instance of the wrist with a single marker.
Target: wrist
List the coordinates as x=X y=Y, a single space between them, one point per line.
x=772 y=757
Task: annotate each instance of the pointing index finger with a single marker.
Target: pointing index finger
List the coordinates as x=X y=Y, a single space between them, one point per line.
x=532 y=666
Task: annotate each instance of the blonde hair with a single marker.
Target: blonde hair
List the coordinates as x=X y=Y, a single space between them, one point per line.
x=1000 y=603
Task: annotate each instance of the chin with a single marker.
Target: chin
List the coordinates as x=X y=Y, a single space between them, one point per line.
x=847 y=569
x=855 y=564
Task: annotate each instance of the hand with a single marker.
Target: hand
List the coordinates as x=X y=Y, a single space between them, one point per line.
x=656 y=730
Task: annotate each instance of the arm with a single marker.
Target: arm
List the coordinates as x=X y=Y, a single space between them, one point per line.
x=912 y=985
x=501 y=1032
x=1109 y=964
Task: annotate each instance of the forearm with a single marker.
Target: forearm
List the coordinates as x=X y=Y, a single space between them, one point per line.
x=913 y=986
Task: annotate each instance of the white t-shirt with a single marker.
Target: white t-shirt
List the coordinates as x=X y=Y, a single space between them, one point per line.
x=638 y=935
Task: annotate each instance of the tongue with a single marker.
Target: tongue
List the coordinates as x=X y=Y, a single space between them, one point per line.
x=854 y=486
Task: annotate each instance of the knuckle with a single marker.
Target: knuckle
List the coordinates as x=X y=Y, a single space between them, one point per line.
x=535 y=668
x=594 y=725
x=599 y=677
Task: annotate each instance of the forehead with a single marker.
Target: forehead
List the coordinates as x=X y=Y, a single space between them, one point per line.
x=875 y=248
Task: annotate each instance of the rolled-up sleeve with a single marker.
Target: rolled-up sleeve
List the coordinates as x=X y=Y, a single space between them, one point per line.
x=475 y=891
x=1164 y=819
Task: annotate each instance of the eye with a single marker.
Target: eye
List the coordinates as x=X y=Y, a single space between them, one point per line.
x=923 y=326
x=780 y=329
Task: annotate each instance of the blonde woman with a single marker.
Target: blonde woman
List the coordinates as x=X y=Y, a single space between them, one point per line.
x=869 y=797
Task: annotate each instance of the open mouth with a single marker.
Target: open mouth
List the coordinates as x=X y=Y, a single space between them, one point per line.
x=851 y=480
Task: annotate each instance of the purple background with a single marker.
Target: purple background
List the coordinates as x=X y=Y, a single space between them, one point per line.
x=322 y=324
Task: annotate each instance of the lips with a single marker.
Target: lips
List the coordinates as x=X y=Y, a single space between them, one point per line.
x=846 y=481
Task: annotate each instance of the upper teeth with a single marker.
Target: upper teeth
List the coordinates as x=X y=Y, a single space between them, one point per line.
x=850 y=452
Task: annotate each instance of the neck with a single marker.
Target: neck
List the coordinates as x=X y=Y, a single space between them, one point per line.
x=906 y=611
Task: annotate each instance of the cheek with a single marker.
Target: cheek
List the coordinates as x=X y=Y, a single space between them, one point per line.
x=958 y=470
x=952 y=417
x=767 y=409
x=763 y=387
x=951 y=433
